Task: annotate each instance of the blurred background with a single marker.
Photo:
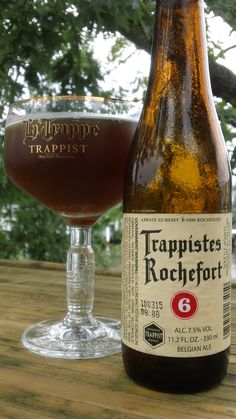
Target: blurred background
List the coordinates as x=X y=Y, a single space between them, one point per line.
x=99 y=48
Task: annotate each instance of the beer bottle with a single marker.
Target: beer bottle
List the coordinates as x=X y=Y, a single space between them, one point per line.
x=177 y=221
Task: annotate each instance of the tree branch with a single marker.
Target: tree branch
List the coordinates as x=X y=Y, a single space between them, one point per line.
x=225 y=9
x=223 y=80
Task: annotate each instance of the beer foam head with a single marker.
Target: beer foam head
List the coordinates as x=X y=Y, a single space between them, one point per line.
x=16 y=118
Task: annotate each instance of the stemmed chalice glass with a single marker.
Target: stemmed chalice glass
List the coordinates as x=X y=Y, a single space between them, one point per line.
x=69 y=153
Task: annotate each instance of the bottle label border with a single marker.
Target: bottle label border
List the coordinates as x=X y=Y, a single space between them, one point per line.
x=176 y=283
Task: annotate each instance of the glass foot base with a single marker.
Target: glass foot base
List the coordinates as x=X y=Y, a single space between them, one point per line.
x=94 y=338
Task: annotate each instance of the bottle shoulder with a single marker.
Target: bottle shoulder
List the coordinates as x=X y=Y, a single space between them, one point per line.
x=187 y=173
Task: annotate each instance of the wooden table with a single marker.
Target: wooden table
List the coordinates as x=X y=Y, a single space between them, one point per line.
x=33 y=387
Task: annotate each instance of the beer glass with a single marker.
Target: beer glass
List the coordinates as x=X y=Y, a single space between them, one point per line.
x=69 y=153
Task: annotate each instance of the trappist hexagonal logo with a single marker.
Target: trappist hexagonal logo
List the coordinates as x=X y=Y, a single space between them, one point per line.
x=154 y=335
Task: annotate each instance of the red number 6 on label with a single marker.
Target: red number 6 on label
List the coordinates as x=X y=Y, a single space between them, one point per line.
x=184 y=305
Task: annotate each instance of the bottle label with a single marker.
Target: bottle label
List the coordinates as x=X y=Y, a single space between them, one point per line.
x=176 y=283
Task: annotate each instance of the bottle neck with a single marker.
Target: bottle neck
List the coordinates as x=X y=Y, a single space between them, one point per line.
x=179 y=56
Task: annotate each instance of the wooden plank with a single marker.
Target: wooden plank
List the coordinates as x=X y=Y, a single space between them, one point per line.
x=34 y=387
x=53 y=266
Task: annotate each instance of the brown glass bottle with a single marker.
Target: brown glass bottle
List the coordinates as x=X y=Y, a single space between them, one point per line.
x=178 y=173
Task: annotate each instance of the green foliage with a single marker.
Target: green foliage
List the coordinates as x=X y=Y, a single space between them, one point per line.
x=36 y=233
x=224 y=8
x=43 y=56
x=47 y=47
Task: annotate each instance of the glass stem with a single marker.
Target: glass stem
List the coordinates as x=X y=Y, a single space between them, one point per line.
x=80 y=276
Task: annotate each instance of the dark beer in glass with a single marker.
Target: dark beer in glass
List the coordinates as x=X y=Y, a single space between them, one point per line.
x=69 y=153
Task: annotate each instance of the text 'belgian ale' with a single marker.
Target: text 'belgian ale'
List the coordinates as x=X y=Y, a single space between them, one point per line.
x=177 y=218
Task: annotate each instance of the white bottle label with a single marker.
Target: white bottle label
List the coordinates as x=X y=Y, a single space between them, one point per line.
x=176 y=283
